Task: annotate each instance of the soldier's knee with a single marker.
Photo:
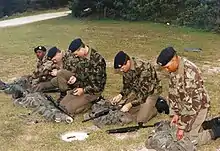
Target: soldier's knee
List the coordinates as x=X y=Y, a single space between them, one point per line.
x=146 y=116
x=63 y=73
x=60 y=73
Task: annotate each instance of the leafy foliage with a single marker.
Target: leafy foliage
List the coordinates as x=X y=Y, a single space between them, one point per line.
x=194 y=13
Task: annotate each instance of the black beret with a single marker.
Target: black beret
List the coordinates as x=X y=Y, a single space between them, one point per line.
x=120 y=59
x=52 y=52
x=42 y=48
x=75 y=44
x=165 y=56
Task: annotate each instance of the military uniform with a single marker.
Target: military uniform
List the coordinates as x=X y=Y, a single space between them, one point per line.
x=189 y=100
x=41 y=73
x=141 y=88
x=69 y=66
x=40 y=79
x=90 y=73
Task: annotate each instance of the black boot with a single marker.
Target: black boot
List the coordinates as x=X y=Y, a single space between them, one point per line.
x=162 y=105
x=215 y=132
x=62 y=95
x=209 y=124
x=17 y=94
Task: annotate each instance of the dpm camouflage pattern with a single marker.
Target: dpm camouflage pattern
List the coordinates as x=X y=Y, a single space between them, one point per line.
x=187 y=94
x=114 y=116
x=42 y=71
x=90 y=72
x=141 y=80
x=163 y=138
x=39 y=104
x=70 y=61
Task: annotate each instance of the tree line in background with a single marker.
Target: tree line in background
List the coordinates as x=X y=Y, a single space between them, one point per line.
x=204 y=14
x=9 y=7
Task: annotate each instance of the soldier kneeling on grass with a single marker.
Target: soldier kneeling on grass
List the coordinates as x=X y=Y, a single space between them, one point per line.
x=39 y=78
x=82 y=78
x=141 y=88
x=188 y=98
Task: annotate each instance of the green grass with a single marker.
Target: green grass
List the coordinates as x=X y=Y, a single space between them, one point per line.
x=140 y=39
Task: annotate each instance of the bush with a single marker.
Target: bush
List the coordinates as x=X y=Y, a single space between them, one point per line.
x=203 y=14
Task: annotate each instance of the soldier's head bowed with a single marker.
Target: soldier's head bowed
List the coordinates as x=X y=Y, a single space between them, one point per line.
x=122 y=61
x=54 y=54
x=78 y=48
x=168 y=59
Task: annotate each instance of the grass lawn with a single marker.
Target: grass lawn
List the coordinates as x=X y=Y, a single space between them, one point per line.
x=143 y=40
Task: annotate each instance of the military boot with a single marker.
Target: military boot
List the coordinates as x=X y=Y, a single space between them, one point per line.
x=162 y=106
x=17 y=94
x=209 y=124
x=17 y=91
x=62 y=95
x=215 y=132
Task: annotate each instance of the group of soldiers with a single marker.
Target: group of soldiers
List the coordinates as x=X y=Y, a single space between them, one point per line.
x=79 y=74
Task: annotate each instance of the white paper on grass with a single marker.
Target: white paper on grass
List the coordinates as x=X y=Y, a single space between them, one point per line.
x=72 y=136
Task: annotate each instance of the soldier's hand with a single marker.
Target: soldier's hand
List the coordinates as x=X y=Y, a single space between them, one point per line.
x=116 y=99
x=174 y=120
x=72 y=80
x=126 y=107
x=54 y=72
x=180 y=134
x=78 y=91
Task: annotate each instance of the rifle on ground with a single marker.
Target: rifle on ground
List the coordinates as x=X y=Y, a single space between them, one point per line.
x=51 y=90
x=130 y=129
x=102 y=113
x=50 y=98
x=97 y=115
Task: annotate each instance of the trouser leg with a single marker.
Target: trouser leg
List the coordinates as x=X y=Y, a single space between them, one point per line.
x=197 y=135
x=61 y=80
x=77 y=104
x=147 y=110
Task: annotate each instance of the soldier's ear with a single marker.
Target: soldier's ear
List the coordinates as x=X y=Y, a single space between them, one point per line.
x=126 y=62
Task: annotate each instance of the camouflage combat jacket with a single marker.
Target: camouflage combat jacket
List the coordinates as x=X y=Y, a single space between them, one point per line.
x=43 y=69
x=90 y=72
x=187 y=94
x=141 y=81
x=70 y=62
